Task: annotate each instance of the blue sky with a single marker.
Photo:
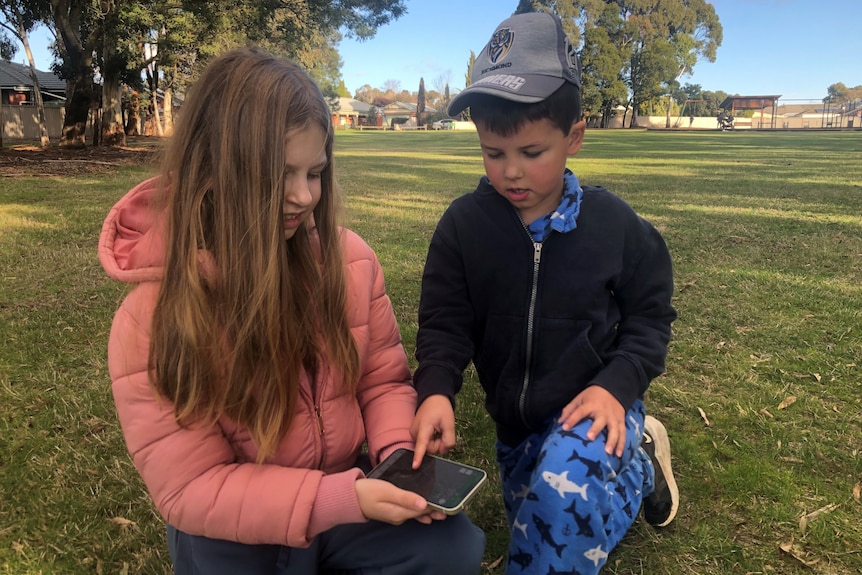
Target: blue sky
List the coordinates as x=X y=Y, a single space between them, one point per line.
x=792 y=48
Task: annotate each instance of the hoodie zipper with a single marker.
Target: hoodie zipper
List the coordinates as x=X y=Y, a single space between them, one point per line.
x=531 y=316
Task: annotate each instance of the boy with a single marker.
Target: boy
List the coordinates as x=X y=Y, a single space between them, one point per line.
x=561 y=297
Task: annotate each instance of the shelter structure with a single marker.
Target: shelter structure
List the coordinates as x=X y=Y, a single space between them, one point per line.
x=733 y=103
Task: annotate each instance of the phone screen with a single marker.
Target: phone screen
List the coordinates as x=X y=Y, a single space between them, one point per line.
x=443 y=483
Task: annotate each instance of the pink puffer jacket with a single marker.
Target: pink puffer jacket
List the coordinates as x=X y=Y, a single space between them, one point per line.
x=203 y=480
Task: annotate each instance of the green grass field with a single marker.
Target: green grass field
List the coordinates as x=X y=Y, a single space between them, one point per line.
x=761 y=396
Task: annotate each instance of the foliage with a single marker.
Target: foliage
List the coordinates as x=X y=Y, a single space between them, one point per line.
x=645 y=44
x=170 y=41
x=18 y=18
x=342 y=90
x=468 y=79
x=603 y=86
x=840 y=94
x=709 y=106
x=7 y=47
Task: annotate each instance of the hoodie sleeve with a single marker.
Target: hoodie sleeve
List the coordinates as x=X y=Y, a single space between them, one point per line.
x=192 y=473
x=644 y=295
x=444 y=342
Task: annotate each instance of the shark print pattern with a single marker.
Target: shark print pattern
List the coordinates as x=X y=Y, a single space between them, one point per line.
x=562 y=485
x=567 y=502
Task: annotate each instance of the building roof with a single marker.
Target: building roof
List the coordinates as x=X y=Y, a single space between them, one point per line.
x=398 y=106
x=349 y=105
x=17 y=76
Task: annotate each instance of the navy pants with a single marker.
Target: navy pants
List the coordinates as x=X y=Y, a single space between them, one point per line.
x=453 y=546
x=568 y=502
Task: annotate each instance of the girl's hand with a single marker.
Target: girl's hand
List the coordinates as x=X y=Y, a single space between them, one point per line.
x=381 y=501
x=602 y=407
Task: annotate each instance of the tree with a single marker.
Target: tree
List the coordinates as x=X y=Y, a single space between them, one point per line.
x=420 y=102
x=654 y=40
x=468 y=79
x=713 y=101
x=373 y=116
x=603 y=58
x=185 y=36
x=669 y=40
x=342 y=90
x=366 y=93
x=839 y=94
x=77 y=36
x=392 y=85
x=20 y=19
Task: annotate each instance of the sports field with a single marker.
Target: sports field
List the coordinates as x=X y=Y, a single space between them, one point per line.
x=761 y=398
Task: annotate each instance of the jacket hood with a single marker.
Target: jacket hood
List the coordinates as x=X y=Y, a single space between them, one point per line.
x=131 y=245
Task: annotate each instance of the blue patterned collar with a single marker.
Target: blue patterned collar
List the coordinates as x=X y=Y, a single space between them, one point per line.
x=564 y=218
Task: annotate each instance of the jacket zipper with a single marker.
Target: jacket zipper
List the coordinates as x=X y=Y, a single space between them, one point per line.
x=316 y=399
x=531 y=315
x=319 y=420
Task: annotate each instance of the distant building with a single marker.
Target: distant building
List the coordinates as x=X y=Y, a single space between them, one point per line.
x=16 y=86
x=403 y=113
x=352 y=113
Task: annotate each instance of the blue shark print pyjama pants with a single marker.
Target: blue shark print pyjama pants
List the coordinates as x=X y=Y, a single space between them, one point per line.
x=569 y=503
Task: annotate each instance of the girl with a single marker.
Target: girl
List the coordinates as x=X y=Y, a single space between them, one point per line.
x=258 y=351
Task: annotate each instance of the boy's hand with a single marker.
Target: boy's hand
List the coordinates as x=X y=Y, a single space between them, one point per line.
x=433 y=428
x=602 y=407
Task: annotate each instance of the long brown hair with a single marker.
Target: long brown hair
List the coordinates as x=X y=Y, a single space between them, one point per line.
x=241 y=312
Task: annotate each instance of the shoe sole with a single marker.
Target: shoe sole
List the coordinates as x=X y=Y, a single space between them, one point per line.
x=657 y=431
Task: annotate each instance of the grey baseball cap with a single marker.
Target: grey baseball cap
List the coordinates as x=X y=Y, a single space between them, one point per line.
x=526 y=60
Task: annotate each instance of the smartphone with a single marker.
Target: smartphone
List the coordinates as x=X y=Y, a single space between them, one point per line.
x=445 y=484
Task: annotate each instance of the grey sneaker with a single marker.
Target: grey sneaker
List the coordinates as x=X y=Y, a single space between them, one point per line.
x=662 y=504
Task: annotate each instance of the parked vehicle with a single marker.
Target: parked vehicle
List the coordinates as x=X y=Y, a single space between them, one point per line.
x=444 y=124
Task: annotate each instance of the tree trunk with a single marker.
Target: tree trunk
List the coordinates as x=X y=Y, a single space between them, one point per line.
x=96 y=116
x=154 y=122
x=44 y=141
x=133 y=117
x=79 y=90
x=112 y=131
x=112 y=103
x=169 y=112
x=77 y=110
x=667 y=121
x=157 y=120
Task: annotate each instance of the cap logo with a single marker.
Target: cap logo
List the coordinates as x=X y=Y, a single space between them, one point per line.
x=500 y=43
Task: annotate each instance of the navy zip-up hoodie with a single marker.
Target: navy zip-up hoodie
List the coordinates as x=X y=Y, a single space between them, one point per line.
x=542 y=321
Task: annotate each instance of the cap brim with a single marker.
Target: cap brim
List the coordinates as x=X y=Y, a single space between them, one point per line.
x=534 y=89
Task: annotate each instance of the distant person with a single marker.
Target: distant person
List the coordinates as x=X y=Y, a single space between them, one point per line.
x=691 y=121
x=560 y=295
x=258 y=350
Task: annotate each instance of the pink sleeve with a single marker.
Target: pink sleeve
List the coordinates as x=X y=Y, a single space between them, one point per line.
x=385 y=390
